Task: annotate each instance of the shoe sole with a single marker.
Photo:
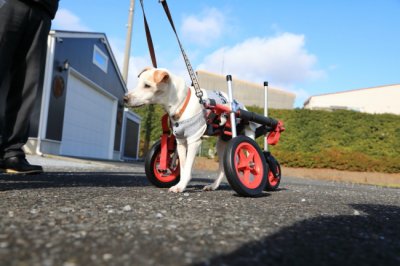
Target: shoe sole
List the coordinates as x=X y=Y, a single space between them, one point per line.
x=15 y=172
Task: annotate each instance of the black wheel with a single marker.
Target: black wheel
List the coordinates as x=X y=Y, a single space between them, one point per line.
x=245 y=166
x=161 y=178
x=274 y=179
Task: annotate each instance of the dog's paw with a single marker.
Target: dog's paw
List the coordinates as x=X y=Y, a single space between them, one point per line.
x=176 y=189
x=210 y=187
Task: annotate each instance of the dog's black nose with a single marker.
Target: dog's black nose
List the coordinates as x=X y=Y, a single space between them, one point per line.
x=126 y=98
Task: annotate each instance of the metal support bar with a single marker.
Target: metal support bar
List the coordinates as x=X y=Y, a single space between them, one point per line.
x=232 y=114
x=265 y=110
x=259 y=119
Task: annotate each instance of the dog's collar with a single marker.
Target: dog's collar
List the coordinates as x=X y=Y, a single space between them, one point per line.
x=178 y=115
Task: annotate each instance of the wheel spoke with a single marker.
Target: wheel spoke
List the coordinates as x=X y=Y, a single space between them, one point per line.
x=255 y=171
x=244 y=160
x=243 y=165
x=250 y=157
x=242 y=155
x=246 y=176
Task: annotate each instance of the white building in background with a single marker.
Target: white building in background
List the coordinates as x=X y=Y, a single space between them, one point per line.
x=246 y=92
x=375 y=100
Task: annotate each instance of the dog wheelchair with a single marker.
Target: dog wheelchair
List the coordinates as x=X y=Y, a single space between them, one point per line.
x=248 y=169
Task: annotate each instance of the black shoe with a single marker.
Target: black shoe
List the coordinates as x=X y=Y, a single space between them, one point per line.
x=19 y=165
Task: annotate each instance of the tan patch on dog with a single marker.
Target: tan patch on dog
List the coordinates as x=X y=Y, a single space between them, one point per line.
x=160 y=76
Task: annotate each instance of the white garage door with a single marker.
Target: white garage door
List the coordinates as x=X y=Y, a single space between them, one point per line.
x=89 y=120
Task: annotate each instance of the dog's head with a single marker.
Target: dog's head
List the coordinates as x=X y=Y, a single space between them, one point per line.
x=152 y=87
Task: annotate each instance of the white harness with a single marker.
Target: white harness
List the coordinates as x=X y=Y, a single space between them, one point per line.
x=188 y=127
x=193 y=126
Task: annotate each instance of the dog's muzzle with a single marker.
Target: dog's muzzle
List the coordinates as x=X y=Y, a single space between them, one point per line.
x=126 y=98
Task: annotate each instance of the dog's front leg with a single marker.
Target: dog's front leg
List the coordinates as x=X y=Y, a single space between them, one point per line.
x=182 y=150
x=186 y=170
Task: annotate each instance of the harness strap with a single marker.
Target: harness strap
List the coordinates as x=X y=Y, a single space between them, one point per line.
x=185 y=103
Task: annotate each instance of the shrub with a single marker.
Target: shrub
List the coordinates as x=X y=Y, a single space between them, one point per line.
x=344 y=140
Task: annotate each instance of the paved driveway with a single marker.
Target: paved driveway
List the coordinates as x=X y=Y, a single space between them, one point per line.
x=97 y=213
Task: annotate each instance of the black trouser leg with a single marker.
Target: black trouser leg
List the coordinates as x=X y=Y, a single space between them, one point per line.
x=23 y=42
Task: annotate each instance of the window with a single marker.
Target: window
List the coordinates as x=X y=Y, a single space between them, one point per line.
x=100 y=59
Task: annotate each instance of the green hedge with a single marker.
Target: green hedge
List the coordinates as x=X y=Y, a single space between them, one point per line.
x=343 y=140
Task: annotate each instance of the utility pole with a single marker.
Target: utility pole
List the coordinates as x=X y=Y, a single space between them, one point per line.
x=128 y=42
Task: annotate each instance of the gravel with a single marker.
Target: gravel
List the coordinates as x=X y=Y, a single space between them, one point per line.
x=99 y=213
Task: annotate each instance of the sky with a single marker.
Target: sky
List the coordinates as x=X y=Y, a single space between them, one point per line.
x=307 y=47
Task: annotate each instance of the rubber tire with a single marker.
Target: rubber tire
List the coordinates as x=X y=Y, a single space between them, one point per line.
x=231 y=171
x=150 y=168
x=271 y=185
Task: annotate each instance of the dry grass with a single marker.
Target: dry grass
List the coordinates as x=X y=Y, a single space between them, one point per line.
x=379 y=179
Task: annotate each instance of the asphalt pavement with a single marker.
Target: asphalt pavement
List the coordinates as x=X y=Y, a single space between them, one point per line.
x=82 y=212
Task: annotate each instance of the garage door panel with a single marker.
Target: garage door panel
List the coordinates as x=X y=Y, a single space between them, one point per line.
x=131 y=140
x=89 y=116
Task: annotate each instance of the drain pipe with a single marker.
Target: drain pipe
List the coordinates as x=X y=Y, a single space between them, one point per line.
x=47 y=81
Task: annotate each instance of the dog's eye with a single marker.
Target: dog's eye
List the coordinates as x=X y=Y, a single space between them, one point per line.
x=147 y=86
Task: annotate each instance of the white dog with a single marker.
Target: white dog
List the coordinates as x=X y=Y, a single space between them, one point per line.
x=159 y=86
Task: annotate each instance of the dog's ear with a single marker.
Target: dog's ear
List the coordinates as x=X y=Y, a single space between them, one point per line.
x=144 y=70
x=161 y=76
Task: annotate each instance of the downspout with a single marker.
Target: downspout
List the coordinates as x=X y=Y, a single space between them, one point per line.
x=44 y=109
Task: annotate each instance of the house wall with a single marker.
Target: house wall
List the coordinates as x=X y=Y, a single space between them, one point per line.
x=47 y=123
x=79 y=54
x=376 y=100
